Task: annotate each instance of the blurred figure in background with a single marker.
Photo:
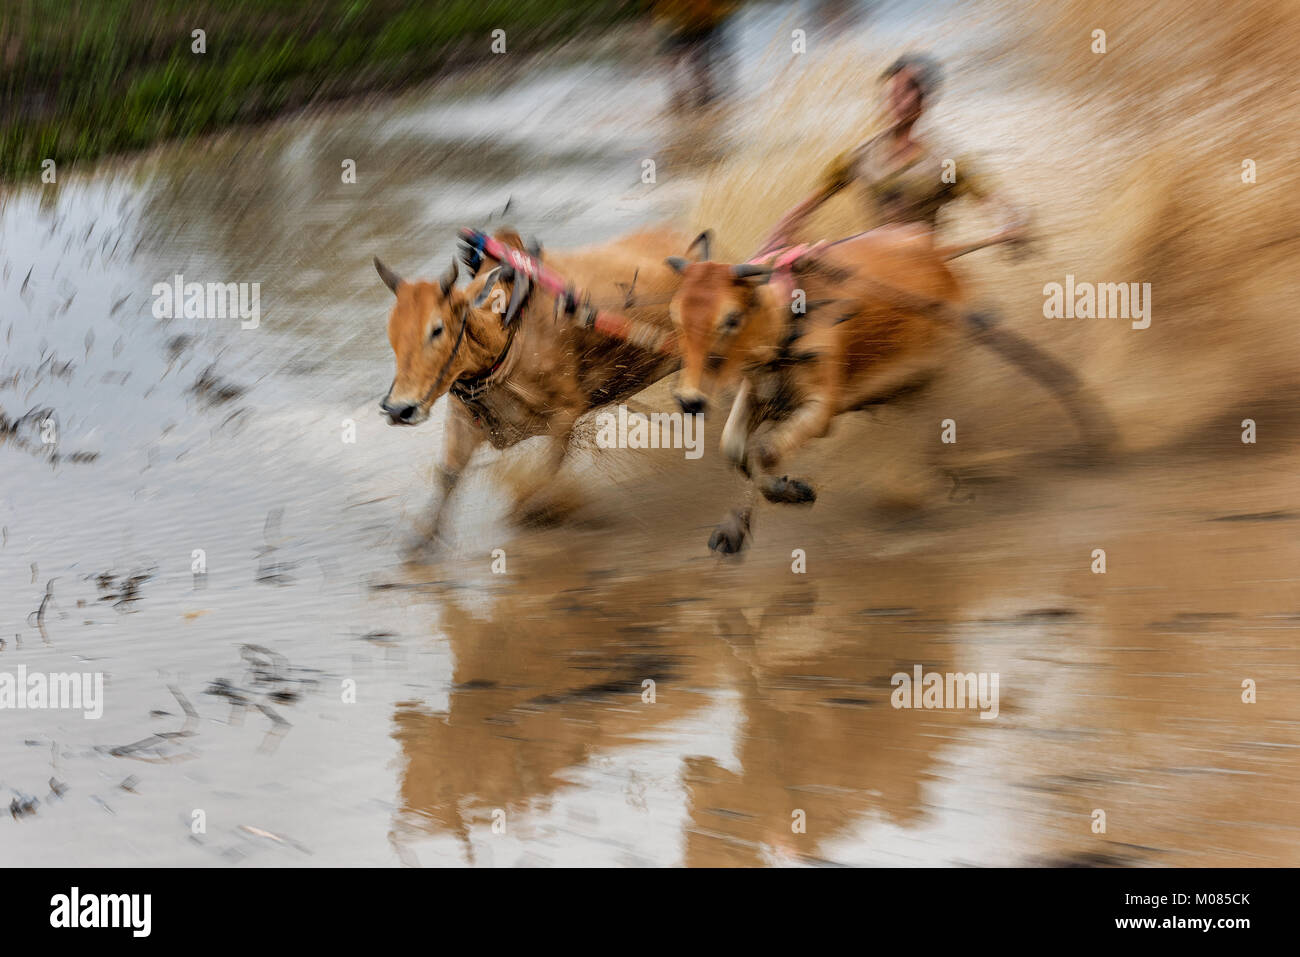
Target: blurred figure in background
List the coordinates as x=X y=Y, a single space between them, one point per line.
x=903 y=179
x=838 y=14
x=695 y=43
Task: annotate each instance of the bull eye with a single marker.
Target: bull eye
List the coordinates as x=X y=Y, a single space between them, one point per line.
x=730 y=322
x=435 y=332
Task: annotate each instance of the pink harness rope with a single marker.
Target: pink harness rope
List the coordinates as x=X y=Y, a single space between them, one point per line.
x=616 y=324
x=603 y=321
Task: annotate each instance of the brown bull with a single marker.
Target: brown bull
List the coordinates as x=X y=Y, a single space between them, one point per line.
x=883 y=312
x=514 y=367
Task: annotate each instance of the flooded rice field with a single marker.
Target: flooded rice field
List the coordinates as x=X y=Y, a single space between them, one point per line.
x=211 y=514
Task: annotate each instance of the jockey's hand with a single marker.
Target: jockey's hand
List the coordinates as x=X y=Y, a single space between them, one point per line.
x=1018 y=239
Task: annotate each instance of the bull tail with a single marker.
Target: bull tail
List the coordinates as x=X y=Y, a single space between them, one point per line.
x=1078 y=399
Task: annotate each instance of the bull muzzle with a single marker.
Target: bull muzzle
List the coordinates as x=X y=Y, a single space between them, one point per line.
x=400 y=413
x=692 y=401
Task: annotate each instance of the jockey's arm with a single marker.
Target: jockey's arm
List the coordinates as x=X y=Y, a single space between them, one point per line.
x=790 y=224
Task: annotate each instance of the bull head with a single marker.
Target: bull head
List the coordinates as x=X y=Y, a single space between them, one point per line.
x=714 y=311
x=426 y=329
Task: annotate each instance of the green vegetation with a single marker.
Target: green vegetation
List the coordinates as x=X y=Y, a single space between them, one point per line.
x=81 y=78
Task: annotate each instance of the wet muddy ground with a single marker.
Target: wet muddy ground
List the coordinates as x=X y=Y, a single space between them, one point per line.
x=313 y=699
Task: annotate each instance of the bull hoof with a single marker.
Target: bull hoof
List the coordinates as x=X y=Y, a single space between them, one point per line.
x=788 y=491
x=732 y=534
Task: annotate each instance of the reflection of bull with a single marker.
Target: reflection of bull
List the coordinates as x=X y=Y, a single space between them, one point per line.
x=538 y=689
x=514 y=371
x=553 y=682
x=879 y=319
x=820 y=737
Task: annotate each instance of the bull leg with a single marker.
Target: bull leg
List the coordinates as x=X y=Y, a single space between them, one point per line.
x=732 y=533
x=542 y=501
x=819 y=383
x=462 y=438
x=784 y=490
x=810 y=420
x=735 y=434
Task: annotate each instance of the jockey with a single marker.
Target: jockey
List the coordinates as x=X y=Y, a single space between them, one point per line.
x=902 y=178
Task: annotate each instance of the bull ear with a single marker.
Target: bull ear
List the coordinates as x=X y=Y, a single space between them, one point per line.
x=390 y=278
x=702 y=243
x=448 y=278
x=745 y=271
x=677 y=264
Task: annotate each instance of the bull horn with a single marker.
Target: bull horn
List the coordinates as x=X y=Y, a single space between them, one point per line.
x=677 y=264
x=449 y=277
x=747 y=271
x=390 y=278
x=489 y=281
x=517 y=297
x=703 y=240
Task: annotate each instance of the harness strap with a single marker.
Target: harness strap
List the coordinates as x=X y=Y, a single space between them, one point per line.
x=442 y=373
x=785 y=259
x=574 y=302
x=469 y=389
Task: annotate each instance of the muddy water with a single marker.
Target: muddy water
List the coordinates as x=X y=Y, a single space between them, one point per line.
x=310 y=699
